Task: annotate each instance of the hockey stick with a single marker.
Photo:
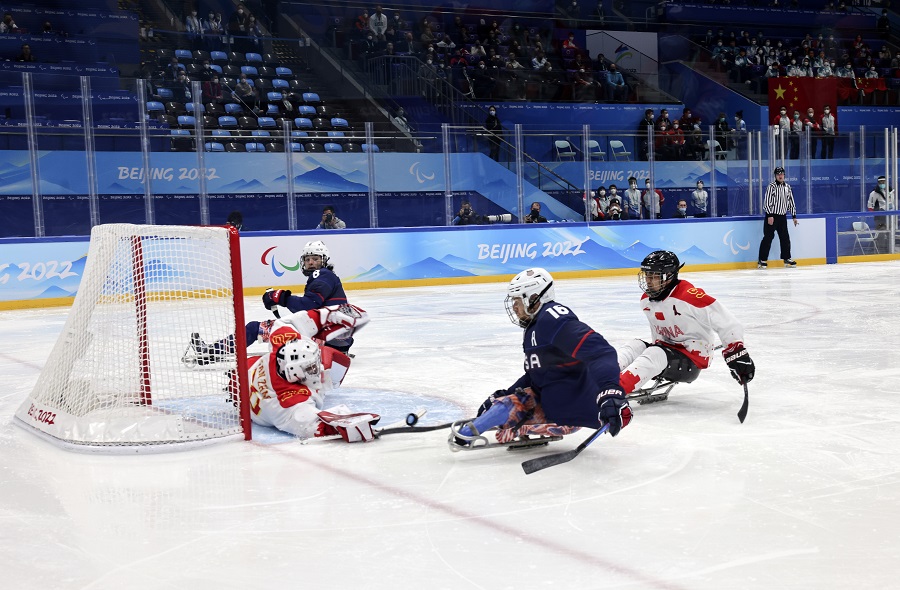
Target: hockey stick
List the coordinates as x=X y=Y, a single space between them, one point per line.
x=539 y=463
x=742 y=413
x=399 y=429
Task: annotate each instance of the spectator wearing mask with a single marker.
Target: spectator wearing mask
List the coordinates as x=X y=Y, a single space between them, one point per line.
x=534 y=216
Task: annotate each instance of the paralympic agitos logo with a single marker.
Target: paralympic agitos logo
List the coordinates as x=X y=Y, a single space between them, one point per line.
x=278 y=268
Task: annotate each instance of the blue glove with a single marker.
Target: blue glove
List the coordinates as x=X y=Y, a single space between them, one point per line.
x=614 y=410
x=275 y=297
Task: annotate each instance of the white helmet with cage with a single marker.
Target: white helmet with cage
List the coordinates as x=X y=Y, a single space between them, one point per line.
x=317 y=248
x=298 y=360
x=531 y=288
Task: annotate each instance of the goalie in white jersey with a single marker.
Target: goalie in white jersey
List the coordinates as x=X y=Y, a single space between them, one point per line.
x=683 y=321
x=288 y=384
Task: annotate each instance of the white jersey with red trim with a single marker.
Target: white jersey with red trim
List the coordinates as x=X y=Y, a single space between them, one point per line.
x=688 y=318
x=291 y=407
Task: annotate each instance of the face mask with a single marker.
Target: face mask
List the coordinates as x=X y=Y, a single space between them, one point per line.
x=881 y=185
x=613 y=191
x=682 y=209
x=796 y=116
x=428 y=62
x=783 y=113
x=699 y=187
x=493 y=112
x=603 y=193
x=827 y=111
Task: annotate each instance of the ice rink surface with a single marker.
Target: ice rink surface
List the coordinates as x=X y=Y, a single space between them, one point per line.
x=804 y=494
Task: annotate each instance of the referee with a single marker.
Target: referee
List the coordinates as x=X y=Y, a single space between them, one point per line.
x=778 y=202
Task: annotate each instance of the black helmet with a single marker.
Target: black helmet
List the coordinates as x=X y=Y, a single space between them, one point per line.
x=778 y=171
x=663 y=265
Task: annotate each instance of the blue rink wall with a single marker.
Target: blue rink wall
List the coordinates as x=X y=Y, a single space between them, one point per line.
x=43 y=272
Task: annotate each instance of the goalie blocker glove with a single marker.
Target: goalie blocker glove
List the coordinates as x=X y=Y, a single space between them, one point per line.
x=740 y=363
x=614 y=410
x=275 y=297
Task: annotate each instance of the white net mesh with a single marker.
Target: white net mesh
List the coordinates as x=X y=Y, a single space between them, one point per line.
x=116 y=376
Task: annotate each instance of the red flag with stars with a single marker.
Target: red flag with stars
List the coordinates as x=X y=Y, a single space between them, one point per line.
x=798 y=94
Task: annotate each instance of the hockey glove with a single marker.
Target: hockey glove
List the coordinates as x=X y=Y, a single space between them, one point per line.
x=275 y=297
x=740 y=363
x=351 y=427
x=614 y=410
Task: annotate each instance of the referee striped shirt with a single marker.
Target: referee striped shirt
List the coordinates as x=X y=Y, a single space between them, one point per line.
x=779 y=199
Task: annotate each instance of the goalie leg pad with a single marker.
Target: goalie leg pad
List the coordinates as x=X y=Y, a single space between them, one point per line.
x=680 y=368
x=336 y=363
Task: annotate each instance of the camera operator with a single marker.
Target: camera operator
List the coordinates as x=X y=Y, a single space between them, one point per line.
x=330 y=220
x=466 y=215
x=535 y=215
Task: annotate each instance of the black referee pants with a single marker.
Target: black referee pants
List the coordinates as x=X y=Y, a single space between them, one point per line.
x=780 y=226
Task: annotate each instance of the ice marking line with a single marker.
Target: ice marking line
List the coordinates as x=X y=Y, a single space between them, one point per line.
x=746 y=561
x=520 y=535
x=18 y=361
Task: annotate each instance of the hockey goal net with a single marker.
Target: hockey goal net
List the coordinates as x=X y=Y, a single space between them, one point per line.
x=115 y=380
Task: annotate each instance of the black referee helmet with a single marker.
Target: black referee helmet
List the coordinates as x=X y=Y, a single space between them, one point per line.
x=778 y=171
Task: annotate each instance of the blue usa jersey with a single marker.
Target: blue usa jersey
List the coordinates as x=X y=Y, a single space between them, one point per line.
x=567 y=364
x=323 y=287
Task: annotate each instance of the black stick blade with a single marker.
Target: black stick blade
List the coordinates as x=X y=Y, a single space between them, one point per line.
x=742 y=413
x=539 y=463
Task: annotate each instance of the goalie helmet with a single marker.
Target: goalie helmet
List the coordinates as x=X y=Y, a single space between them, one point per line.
x=317 y=248
x=298 y=360
x=659 y=274
x=531 y=288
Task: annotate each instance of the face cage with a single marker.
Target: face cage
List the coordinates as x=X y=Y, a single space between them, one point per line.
x=513 y=317
x=665 y=280
x=304 y=372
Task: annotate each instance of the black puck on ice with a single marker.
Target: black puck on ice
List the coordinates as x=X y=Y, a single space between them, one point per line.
x=411 y=419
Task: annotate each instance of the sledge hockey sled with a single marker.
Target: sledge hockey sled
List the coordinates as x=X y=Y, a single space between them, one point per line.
x=479 y=441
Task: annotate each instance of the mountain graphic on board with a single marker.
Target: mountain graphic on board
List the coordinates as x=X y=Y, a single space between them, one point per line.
x=54 y=291
x=322 y=179
x=695 y=255
x=637 y=251
x=376 y=273
x=429 y=268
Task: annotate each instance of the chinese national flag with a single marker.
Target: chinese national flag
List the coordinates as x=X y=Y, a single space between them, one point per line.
x=798 y=94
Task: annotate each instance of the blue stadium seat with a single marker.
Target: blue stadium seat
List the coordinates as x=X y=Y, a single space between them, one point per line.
x=214 y=146
x=260 y=133
x=299 y=134
x=254 y=57
x=267 y=123
x=186 y=121
x=180 y=132
x=335 y=134
x=184 y=54
x=273 y=96
x=221 y=133
x=228 y=122
x=311 y=98
x=165 y=93
x=333 y=147
x=296 y=147
x=154 y=106
x=370 y=147
x=306 y=111
x=303 y=123
x=189 y=107
x=218 y=56
x=272 y=110
x=249 y=70
x=339 y=123
x=279 y=83
x=216 y=68
x=233 y=108
x=283 y=72
x=255 y=146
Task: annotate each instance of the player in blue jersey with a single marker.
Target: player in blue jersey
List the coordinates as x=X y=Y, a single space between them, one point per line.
x=323 y=289
x=336 y=320
x=571 y=373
